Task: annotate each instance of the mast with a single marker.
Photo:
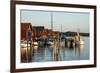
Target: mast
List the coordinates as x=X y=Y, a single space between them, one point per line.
x=78 y=34
x=61 y=28
x=52 y=21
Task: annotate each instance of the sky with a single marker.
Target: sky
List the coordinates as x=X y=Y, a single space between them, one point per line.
x=70 y=21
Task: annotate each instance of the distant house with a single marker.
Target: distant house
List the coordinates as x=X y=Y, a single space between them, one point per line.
x=24 y=28
x=37 y=30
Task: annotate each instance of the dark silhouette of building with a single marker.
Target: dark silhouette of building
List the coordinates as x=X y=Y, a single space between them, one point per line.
x=38 y=30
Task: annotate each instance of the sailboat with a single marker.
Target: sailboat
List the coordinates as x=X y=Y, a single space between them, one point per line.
x=78 y=39
x=51 y=40
x=62 y=41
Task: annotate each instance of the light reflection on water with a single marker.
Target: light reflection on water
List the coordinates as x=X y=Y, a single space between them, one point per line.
x=48 y=53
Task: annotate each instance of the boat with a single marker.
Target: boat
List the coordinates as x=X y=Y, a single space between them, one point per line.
x=50 y=42
x=35 y=43
x=24 y=44
x=78 y=40
x=81 y=42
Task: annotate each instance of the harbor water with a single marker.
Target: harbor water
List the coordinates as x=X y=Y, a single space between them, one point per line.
x=53 y=53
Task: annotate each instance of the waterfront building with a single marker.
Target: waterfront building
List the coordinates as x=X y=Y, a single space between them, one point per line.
x=24 y=28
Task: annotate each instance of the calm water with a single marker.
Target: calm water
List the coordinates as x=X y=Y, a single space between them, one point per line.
x=48 y=53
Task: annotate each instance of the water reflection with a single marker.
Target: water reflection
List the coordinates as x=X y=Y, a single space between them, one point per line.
x=78 y=50
x=55 y=52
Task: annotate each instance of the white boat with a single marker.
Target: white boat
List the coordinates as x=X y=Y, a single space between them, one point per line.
x=79 y=40
x=50 y=43
x=62 y=43
x=35 y=43
x=24 y=44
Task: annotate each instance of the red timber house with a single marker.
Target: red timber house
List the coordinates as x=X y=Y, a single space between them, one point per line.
x=24 y=28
